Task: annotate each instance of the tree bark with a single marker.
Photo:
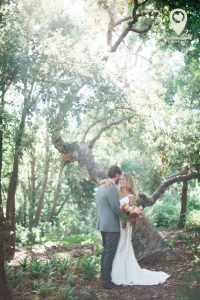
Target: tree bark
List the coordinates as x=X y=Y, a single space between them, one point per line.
x=10 y=205
x=32 y=190
x=1 y=146
x=24 y=205
x=44 y=183
x=56 y=196
x=10 y=208
x=75 y=151
x=143 y=235
x=182 y=219
x=4 y=293
x=6 y=236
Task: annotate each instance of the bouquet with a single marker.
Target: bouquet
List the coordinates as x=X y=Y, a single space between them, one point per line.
x=129 y=214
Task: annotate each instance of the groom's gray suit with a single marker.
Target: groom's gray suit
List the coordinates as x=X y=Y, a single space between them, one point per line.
x=108 y=224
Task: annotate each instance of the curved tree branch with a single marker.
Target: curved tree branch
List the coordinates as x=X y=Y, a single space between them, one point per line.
x=143 y=30
x=151 y=14
x=131 y=28
x=112 y=15
x=81 y=153
x=92 y=142
x=122 y=21
x=120 y=39
x=133 y=19
x=83 y=140
x=148 y=201
x=75 y=151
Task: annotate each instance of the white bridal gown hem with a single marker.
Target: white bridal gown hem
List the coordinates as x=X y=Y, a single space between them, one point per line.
x=125 y=268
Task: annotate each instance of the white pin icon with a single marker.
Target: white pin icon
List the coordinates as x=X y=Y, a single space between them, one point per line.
x=178 y=19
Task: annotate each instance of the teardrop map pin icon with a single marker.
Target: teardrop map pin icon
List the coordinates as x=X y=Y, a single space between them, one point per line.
x=178 y=19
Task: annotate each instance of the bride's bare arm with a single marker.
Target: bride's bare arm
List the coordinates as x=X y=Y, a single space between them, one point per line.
x=132 y=200
x=107 y=182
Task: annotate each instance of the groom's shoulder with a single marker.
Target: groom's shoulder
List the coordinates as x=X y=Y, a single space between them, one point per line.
x=112 y=189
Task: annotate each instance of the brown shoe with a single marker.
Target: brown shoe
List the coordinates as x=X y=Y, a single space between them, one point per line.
x=109 y=286
x=115 y=285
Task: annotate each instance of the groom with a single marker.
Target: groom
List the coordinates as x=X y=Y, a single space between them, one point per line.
x=108 y=224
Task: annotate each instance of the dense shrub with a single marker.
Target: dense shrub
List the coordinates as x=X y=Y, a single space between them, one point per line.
x=163 y=214
x=193 y=218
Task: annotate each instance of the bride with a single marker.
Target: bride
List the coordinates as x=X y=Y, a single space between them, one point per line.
x=125 y=268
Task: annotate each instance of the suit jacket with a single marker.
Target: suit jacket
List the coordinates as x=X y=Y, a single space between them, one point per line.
x=107 y=200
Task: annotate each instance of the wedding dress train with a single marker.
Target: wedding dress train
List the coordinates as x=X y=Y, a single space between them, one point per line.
x=125 y=268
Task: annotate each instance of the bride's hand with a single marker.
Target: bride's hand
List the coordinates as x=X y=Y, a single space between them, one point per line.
x=107 y=182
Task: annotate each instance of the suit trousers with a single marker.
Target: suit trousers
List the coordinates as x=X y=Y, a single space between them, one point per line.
x=110 y=241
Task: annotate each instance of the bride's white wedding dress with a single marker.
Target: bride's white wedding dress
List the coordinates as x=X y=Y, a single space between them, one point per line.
x=125 y=268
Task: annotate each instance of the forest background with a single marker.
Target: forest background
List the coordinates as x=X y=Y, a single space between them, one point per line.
x=76 y=78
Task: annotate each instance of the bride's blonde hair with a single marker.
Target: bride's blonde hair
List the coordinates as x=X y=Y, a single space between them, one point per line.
x=129 y=184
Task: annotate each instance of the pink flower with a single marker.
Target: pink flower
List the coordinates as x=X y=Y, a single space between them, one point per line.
x=131 y=210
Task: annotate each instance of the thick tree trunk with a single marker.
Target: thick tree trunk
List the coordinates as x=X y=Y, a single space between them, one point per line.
x=75 y=151
x=1 y=147
x=56 y=195
x=182 y=219
x=146 y=240
x=4 y=293
x=10 y=208
x=44 y=183
x=6 y=236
